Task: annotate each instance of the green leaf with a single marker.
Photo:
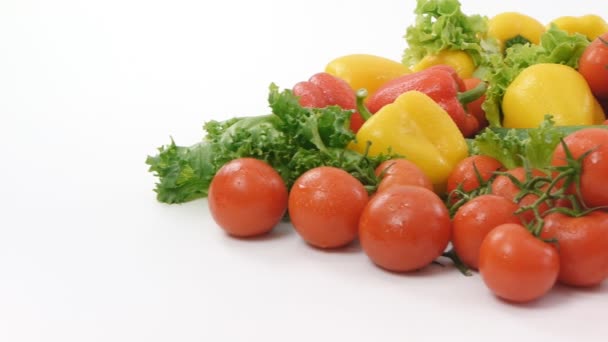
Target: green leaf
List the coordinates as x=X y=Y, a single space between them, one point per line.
x=441 y=25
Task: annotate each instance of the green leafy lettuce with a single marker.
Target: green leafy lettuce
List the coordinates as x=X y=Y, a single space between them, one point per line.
x=441 y=25
x=556 y=46
x=513 y=147
x=292 y=139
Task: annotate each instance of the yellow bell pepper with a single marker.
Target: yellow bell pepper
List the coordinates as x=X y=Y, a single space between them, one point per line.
x=590 y=25
x=598 y=113
x=365 y=71
x=418 y=128
x=457 y=59
x=509 y=28
x=548 y=88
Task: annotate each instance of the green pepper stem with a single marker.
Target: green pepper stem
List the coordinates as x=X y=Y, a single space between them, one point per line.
x=472 y=94
x=363 y=111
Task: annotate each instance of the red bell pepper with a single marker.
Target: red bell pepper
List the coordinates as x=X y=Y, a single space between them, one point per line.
x=323 y=89
x=443 y=85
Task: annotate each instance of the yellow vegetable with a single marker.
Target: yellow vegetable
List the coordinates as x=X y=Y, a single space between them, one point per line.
x=416 y=127
x=590 y=25
x=548 y=88
x=457 y=59
x=512 y=27
x=365 y=71
x=598 y=113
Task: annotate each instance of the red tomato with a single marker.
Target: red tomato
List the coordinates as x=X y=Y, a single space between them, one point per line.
x=474 y=107
x=594 y=175
x=583 y=246
x=517 y=266
x=503 y=186
x=396 y=172
x=404 y=228
x=593 y=65
x=247 y=197
x=475 y=219
x=325 y=204
x=464 y=173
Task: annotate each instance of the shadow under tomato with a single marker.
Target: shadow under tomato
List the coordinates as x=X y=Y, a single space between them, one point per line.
x=559 y=295
x=281 y=230
x=439 y=266
x=351 y=248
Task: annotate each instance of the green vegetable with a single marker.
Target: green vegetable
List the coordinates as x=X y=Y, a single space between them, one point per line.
x=292 y=139
x=512 y=146
x=556 y=46
x=441 y=25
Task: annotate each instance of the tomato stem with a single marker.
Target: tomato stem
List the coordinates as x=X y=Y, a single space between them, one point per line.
x=451 y=254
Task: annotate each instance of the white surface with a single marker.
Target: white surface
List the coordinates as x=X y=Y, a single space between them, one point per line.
x=89 y=88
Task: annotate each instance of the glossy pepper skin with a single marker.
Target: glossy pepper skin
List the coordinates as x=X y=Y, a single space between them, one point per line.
x=439 y=82
x=549 y=88
x=416 y=127
x=510 y=28
x=365 y=71
x=322 y=90
x=589 y=25
x=459 y=60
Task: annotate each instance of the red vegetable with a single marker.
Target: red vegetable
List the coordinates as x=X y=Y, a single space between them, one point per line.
x=404 y=228
x=247 y=197
x=517 y=266
x=583 y=246
x=323 y=89
x=593 y=65
x=594 y=172
x=324 y=206
x=442 y=84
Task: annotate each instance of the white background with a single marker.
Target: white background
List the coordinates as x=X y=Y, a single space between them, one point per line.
x=88 y=89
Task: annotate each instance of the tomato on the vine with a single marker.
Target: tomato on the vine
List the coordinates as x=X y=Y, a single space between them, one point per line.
x=475 y=219
x=325 y=204
x=404 y=228
x=583 y=246
x=504 y=186
x=593 y=65
x=517 y=266
x=247 y=197
x=469 y=171
x=394 y=172
x=594 y=171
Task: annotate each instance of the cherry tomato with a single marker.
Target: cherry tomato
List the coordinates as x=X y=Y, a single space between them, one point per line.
x=396 y=172
x=404 y=228
x=465 y=176
x=325 y=204
x=475 y=219
x=594 y=175
x=502 y=185
x=247 y=197
x=593 y=65
x=583 y=246
x=517 y=266
x=474 y=107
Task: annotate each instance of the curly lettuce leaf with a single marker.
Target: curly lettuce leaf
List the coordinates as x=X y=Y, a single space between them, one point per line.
x=441 y=25
x=292 y=139
x=556 y=46
x=513 y=147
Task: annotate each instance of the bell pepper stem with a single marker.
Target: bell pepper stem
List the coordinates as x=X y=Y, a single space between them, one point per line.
x=363 y=111
x=472 y=94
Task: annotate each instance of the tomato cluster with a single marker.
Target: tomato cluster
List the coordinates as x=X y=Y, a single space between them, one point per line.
x=522 y=229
